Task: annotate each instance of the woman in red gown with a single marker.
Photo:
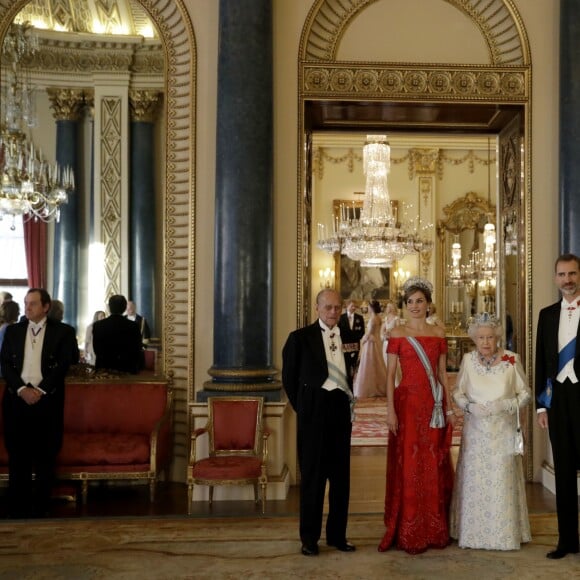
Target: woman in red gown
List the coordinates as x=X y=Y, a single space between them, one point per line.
x=419 y=470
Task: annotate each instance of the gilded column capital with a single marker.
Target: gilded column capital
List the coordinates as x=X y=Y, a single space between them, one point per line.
x=144 y=105
x=66 y=104
x=424 y=160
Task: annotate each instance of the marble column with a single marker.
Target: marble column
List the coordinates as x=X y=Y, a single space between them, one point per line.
x=569 y=125
x=67 y=106
x=143 y=106
x=242 y=348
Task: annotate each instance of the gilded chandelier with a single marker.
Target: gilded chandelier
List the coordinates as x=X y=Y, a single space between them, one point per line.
x=374 y=237
x=30 y=187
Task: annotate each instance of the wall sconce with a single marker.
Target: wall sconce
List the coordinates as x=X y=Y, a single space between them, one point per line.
x=326 y=278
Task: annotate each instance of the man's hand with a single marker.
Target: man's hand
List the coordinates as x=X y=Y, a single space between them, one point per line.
x=543 y=419
x=30 y=395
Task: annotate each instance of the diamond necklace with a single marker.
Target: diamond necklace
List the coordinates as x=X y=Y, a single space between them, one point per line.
x=488 y=363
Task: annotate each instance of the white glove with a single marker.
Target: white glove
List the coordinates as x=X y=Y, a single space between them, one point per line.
x=499 y=406
x=478 y=410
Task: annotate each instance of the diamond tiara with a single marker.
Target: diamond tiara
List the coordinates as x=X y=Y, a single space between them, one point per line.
x=484 y=319
x=418 y=282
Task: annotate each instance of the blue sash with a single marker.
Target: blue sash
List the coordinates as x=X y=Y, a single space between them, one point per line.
x=566 y=354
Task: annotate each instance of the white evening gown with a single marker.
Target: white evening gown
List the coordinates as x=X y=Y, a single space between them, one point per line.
x=488 y=507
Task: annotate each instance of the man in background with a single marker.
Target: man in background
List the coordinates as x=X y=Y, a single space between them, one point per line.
x=35 y=357
x=131 y=314
x=352 y=329
x=117 y=340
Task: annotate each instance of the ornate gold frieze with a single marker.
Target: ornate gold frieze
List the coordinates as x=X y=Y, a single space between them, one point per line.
x=321 y=155
x=144 y=105
x=66 y=104
x=371 y=81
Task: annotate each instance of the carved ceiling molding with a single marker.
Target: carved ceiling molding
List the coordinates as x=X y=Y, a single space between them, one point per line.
x=80 y=15
x=177 y=39
x=497 y=20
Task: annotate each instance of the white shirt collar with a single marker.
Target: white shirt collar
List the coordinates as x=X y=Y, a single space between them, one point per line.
x=326 y=327
x=37 y=325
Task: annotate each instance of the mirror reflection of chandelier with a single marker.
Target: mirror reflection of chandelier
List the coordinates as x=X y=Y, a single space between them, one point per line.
x=374 y=238
x=30 y=187
x=481 y=268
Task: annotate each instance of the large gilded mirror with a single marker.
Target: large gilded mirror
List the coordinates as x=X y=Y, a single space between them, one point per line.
x=467 y=260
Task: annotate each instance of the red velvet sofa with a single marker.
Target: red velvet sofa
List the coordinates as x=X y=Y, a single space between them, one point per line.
x=114 y=428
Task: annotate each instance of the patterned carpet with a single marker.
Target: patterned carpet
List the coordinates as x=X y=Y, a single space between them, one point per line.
x=370 y=425
x=249 y=548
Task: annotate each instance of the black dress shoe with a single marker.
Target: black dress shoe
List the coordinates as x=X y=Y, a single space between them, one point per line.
x=559 y=553
x=342 y=546
x=309 y=549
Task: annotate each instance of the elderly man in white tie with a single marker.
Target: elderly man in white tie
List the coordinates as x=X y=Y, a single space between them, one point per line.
x=314 y=374
x=558 y=396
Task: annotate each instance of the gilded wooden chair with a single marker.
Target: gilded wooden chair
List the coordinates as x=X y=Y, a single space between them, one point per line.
x=238 y=447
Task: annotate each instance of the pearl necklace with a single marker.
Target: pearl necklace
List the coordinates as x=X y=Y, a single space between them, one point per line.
x=488 y=363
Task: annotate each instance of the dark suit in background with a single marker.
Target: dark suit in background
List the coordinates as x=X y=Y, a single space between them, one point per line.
x=563 y=423
x=117 y=344
x=351 y=338
x=33 y=433
x=324 y=433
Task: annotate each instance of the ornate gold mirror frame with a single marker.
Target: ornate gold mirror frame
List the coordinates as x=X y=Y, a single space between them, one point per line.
x=505 y=82
x=466 y=214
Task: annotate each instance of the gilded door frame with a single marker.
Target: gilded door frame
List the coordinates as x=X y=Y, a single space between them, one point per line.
x=506 y=81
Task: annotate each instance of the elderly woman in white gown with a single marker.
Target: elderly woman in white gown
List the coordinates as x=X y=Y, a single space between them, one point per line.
x=488 y=507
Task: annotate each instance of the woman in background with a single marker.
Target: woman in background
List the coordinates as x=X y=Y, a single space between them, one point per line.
x=389 y=322
x=89 y=352
x=489 y=509
x=420 y=422
x=371 y=377
x=433 y=318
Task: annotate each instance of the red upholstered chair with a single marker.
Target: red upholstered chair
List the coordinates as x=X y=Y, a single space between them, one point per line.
x=238 y=447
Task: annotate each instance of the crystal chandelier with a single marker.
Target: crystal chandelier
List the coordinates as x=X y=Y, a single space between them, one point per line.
x=373 y=237
x=30 y=187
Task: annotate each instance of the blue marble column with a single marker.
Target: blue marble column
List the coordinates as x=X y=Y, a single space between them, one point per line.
x=569 y=125
x=142 y=212
x=67 y=106
x=242 y=348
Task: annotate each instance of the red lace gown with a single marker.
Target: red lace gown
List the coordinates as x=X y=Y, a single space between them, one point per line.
x=419 y=470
